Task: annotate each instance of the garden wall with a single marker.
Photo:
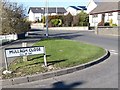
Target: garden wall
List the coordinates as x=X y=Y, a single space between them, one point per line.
x=106 y=30
x=68 y=28
x=9 y=37
x=41 y=26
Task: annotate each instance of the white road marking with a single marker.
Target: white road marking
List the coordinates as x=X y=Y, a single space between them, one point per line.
x=113 y=52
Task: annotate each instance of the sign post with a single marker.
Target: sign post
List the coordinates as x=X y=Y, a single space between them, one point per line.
x=45 y=61
x=24 y=44
x=6 y=65
x=24 y=51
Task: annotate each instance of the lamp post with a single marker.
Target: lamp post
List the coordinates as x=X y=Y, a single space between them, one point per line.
x=46 y=14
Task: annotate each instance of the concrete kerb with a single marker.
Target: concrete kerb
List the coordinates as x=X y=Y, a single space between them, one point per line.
x=46 y=75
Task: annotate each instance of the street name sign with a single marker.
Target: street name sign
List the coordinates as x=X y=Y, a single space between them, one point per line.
x=24 y=51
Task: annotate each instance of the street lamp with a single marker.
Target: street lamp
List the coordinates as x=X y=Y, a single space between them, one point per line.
x=46 y=14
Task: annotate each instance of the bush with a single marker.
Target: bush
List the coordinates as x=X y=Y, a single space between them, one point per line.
x=68 y=20
x=83 y=19
x=43 y=19
x=15 y=17
x=106 y=24
x=56 y=22
x=75 y=20
x=60 y=22
x=114 y=25
x=111 y=22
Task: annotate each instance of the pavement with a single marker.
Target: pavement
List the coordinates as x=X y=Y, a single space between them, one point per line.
x=103 y=75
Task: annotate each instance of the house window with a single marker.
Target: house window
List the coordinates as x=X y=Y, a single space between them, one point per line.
x=110 y=14
x=96 y=15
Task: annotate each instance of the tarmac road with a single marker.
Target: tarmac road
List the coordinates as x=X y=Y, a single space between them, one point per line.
x=102 y=75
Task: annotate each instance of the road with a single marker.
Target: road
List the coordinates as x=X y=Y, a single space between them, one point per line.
x=102 y=75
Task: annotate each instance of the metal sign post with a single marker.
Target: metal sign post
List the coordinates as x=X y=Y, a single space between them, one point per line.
x=6 y=65
x=45 y=61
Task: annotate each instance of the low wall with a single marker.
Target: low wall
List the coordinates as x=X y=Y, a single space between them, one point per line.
x=68 y=28
x=9 y=37
x=104 y=30
x=41 y=26
x=4 y=39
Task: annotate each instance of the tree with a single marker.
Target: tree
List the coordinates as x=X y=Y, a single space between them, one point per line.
x=83 y=19
x=75 y=20
x=13 y=18
x=68 y=19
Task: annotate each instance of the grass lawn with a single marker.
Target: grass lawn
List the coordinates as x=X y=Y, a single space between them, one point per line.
x=61 y=53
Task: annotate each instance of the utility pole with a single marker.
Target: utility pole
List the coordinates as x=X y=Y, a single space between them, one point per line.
x=46 y=14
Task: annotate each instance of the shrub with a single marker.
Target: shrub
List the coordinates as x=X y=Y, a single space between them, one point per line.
x=114 y=24
x=111 y=22
x=106 y=24
x=83 y=19
x=15 y=17
x=56 y=22
x=43 y=19
x=68 y=20
x=75 y=20
x=60 y=22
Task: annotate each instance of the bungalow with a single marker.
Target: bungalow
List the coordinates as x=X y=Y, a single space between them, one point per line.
x=74 y=10
x=103 y=12
x=36 y=13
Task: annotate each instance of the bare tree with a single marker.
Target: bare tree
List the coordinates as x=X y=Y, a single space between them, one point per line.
x=13 y=18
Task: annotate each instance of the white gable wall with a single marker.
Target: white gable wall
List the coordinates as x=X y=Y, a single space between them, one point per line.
x=34 y=16
x=38 y=16
x=91 y=6
x=94 y=20
x=72 y=11
x=118 y=19
x=31 y=16
x=114 y=17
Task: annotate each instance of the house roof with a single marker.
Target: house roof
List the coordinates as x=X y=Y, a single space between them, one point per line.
x=83 y=7
x=50 y=10
x=104 y=7
x=75 y=7
x=79 y=7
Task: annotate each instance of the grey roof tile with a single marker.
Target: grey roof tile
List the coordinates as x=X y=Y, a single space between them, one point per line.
x=50 y=9
x=103 y=7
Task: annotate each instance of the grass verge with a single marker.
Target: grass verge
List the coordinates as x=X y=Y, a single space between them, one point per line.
x=61 y=54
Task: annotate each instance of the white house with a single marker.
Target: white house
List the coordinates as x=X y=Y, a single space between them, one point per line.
x=103 y=11
x=36 y=13
x=91 y=5
x=74 y=10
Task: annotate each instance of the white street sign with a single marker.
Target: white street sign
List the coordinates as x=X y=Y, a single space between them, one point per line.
x=24 y=51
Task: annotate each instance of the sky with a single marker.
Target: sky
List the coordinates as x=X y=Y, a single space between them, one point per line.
x=51 y=3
